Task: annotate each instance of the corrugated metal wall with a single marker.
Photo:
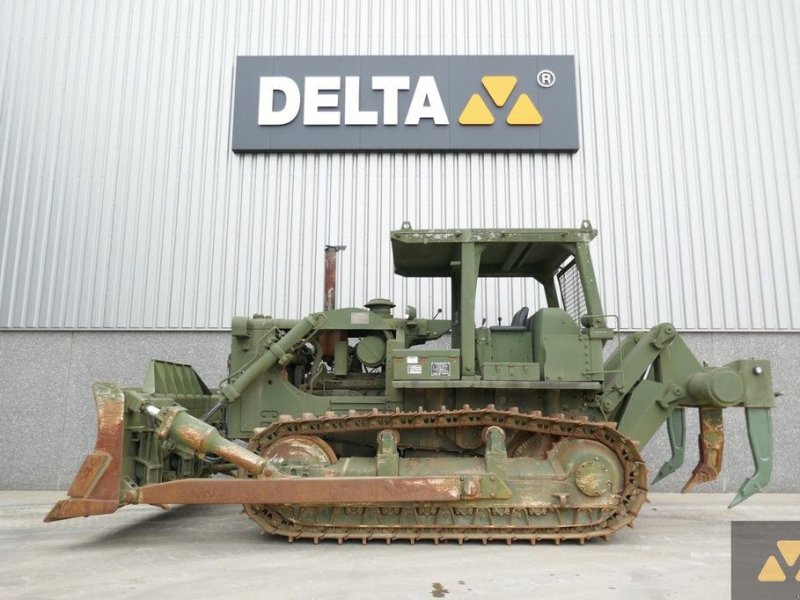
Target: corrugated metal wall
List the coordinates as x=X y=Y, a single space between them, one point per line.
x=122 y=206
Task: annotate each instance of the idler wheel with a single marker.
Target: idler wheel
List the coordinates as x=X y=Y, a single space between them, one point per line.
x=294 y=454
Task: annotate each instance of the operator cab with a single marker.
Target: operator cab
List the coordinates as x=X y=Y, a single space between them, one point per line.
x=562 y=341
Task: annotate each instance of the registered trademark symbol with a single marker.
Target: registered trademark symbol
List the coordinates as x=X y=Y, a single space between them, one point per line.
x=546 y=78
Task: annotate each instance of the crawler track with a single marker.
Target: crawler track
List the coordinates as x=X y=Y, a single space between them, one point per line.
x=482 y=520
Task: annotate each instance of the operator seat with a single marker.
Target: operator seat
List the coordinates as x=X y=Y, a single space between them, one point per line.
x=520 y=317
x=518 y=322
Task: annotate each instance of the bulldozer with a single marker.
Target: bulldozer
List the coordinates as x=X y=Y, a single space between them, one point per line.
x=352 y=424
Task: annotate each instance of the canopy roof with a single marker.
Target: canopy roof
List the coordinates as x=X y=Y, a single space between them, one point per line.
x=507 y=252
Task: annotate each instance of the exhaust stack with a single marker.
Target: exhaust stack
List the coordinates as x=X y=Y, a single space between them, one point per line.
x=330 y=276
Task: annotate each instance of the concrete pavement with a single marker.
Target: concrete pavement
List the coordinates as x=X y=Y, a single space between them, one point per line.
x=680 y=548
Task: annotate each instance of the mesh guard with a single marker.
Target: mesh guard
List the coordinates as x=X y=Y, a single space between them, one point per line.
x=572 y=298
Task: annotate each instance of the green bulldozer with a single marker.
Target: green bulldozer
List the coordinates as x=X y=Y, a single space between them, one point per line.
x=354 y=424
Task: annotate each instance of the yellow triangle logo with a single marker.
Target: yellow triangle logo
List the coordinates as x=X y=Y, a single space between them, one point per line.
x=499 y=87
x=524 y=112
x=790 y=549
x=771 y=571
x=476 y=112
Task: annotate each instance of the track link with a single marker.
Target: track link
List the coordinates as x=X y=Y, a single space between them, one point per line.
x=444 y=522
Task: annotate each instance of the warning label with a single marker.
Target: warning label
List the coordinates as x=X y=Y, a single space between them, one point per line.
x=414 y=369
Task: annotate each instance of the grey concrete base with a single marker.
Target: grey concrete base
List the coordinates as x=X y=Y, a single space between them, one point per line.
x=680 y=548
x=47 y=419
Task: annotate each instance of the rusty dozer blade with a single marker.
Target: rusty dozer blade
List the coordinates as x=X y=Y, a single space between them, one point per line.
x=95 y=489
x=712 y=442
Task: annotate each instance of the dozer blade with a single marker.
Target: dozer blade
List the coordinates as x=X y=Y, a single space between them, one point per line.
x=712 y=443
x=759 y=433
x=95 y=489
x=676 y=430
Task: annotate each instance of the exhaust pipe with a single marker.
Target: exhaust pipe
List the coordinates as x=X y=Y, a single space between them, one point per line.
x=328 y=339
x=329 y=302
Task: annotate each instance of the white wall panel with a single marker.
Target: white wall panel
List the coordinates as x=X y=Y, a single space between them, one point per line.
x=122 y=206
